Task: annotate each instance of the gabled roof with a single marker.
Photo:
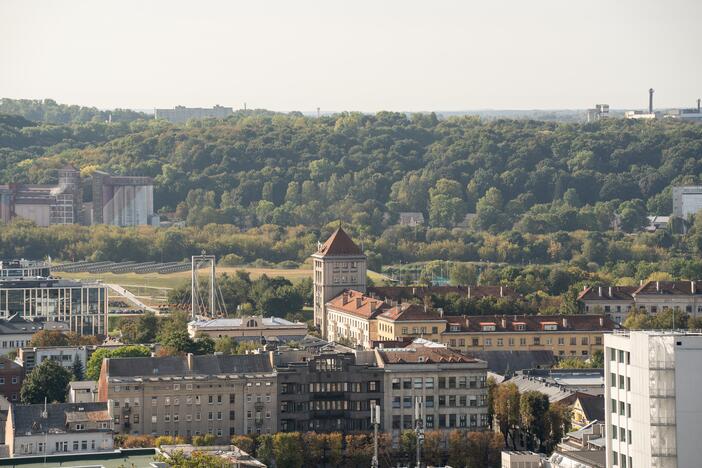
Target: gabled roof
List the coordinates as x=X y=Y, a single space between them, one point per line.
x=178 y=365
x=529 y=323
x=339 y=244
x=674 y=288
x=593 y=406
x=27 y=419
x=416 y=353
x=411 y=313
x=607 y=293
x=358 y=304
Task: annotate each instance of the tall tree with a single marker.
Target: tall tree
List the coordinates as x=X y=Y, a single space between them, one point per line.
x=47 y=381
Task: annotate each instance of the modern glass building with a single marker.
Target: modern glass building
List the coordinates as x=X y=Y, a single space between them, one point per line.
x=82 y=305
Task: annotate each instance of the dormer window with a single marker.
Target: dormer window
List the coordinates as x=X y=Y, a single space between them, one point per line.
x=519 y=326
x=487 y=326
x=454 y=328
x=550 y=326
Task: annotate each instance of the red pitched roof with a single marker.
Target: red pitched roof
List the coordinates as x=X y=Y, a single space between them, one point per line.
x=411 y=313
x=339 y=244
x=355 y=303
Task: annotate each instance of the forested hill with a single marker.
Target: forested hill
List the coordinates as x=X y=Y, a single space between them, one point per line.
x=49 y=111
x=258 y=168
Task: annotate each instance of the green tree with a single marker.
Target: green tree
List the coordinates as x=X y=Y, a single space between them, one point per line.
x=77 y=369
x=288 y=450
x=47 y=381
x=94 y=365
x=463 y=274
x=533 y=409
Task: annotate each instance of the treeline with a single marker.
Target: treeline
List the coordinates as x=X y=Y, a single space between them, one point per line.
x=49 y=111
x=275 y=244
x=458 y=448
x=265 y=168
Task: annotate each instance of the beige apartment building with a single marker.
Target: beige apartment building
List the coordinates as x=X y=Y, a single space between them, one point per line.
x=191 y=395
x=651 y=296
x=451 y=387
x=351 y=318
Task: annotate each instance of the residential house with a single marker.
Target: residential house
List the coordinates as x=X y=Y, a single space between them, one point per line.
x=54 y=428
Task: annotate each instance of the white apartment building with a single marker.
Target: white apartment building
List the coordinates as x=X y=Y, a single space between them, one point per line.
x=653 y=411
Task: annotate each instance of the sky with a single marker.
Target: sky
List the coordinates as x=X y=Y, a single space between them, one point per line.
x=364 y=55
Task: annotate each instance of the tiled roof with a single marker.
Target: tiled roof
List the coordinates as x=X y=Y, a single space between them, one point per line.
x=339 y=244
x=677 y=288
x=530 y=323
x=178 y=365
x=400 y=293
x=607 y=293
x=418 y=353
x=356 y=303
x=411 y=313
x=27 y=419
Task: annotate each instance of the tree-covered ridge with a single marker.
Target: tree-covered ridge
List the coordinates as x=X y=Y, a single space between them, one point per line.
x=259 y=168
x=49 y=111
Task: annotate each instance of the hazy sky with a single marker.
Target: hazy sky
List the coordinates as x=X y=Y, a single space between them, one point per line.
x=354 y=54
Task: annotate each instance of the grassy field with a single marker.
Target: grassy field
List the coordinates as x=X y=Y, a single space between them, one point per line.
x=172 y=280
x=152 y=288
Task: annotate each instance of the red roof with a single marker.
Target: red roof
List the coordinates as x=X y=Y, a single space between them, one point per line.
x=411 y=313
x=339 y=244
x=356 y=303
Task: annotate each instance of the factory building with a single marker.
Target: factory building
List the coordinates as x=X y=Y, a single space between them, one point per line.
x=123 y=200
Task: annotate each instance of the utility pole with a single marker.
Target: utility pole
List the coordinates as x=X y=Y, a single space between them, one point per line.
x=375 y=421
x=419 y=428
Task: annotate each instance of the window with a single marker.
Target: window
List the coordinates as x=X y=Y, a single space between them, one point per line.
x=395 y=383
x=621 y=382
x=584 y=341
x=407 y=384
x=407 y=402
x=154 y=419
x=573 y=340
x=621 y=357
x=537 y=340
x=622 y=434
x=615 y=458
x=396 y=402
x=612 y=354
x=488 y=341
x=628 y=410
x=429 y=382
x=621 y=409
x=628 y=383
x=522 y=341
x=500 y=342
x=629 y=439
x=614 y=432
x=429 y=401
x=613 y=379
x=614 y=405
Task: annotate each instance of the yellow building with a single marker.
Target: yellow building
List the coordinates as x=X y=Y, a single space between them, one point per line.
x=565 y=335
x=410 y=320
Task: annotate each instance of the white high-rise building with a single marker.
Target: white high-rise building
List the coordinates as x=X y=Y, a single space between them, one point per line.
x=653 y=409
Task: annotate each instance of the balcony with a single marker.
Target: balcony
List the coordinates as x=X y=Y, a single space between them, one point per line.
x=662 y=420
x=658 y=392
x=661 y=365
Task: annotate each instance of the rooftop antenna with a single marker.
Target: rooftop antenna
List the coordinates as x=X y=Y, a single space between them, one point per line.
x=650 y=100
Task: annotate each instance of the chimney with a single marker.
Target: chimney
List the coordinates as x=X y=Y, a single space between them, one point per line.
x=373 y=306
x=501 y=292
x=693 y=290
x=414 y=291
x=565 y=322
x=359 y=301
x=601 y=321
x=441 y=312
x=640 y=283
x=610 y=291
x=658 y=286
x=504 y=322
x=345 y=298
x=599 y=291
x=585 y=288
x=468 y=292
x=189 y=361
x=650 y=101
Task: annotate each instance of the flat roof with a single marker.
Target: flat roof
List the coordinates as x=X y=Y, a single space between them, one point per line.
x=138 y=458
